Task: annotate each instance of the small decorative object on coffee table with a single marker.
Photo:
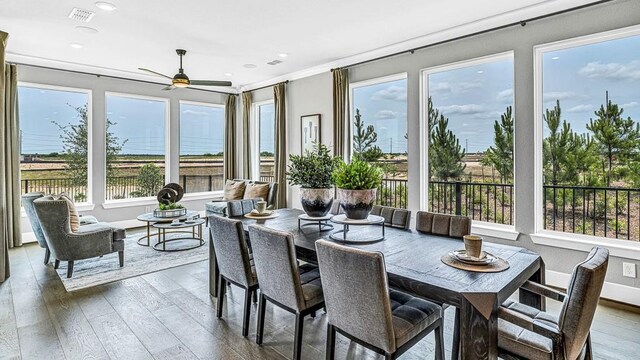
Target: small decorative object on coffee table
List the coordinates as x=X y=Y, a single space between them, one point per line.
x=168 y=198
x=346 y=223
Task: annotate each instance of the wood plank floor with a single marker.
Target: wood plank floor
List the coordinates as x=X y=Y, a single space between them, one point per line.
x=170 y=315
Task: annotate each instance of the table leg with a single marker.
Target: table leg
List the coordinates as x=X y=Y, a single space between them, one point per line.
x=164 y=239
x=148 y=233
x=479 y=326
x=345 y=228
x=532 y=299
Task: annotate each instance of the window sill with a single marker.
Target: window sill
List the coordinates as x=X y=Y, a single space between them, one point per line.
x=117 y=204
x=619 y=248
x=506 y=232
x=210 y=195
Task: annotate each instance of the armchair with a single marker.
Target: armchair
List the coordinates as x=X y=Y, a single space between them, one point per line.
x=89 y=241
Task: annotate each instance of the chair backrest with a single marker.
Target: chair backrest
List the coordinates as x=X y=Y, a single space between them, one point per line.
x=336 y=209
x=27 y=203
x=232 y=252
x=240 y=207
x=581 y=301
x=273 y=190
x=443 y=224
x=274 y=255
x=53 y=215
x=394 y=217
x=356 y=293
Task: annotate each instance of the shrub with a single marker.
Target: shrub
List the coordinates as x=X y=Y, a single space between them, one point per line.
x=357 y=175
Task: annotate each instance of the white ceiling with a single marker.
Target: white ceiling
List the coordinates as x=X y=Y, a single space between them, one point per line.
x=220 y=36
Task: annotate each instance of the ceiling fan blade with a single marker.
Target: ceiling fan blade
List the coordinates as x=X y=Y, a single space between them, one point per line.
x=169 y=87
x=156 y=73
x=210 y=83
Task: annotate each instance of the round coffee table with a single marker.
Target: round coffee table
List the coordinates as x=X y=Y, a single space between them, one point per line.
x=346 y=223
x=195 y=235
x=321 y=221
x=150 y=220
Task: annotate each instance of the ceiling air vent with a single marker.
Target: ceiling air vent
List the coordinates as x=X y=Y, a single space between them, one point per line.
x=275 y=62
x=81 y=15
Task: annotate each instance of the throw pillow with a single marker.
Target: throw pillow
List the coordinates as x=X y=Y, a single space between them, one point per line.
x=74 y=218
x=253 y=191
x=233 y=190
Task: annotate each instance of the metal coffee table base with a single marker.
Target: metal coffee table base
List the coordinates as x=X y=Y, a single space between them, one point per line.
x=196 y=236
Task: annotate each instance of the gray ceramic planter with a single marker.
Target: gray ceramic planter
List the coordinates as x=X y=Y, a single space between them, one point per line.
x=316 y=202
x=357 y=204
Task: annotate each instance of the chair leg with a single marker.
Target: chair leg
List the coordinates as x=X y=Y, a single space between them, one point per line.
x=255 y=296
x=47 y=255
x=331 y=342
x=56 y=264
x=388 y=356
x=121 y=258
x=221 y=290
x=439 y=334
x=247 y=313
x=70 y=269
x=261 y=312
x=455 y=346
x=297 y=341
x=313 y=314
x=589 y=354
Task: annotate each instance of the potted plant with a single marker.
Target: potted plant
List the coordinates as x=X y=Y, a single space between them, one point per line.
x=357 y=184
x=312 y=171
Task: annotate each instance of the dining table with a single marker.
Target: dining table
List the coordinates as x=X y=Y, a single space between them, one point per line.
x=413 y=264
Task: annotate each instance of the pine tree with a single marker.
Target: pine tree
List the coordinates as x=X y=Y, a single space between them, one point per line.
x=445 y=152
x=364 y=141
x=555 y=146
x=617 y=137
x=500 y=155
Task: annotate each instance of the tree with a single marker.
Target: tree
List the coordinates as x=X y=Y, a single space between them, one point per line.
x=555 y=146
x=364 y=141
x=445 y=152
x=617 y=137
x=149 y=180
x=500 y=155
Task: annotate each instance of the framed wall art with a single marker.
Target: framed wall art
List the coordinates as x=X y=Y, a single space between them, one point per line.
x=310 y=131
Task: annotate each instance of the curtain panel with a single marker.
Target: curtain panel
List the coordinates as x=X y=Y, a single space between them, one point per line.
x=341 y=128
x=230 y=158
x=280 y=156
x=246 y=135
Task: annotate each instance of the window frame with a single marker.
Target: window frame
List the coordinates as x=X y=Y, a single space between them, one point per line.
x=88 y=204
x=167 y=147
x=481 y=227
x=211 y=105
x=625 y=248
x=254 y=136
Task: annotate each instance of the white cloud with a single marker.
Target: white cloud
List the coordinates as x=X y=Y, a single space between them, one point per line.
x=463 y=109
x=558 y=95
x=385 y=114
x=505 y=96
x=631 y=104
x=454 y=87
x=581 y=108
x=393 y=93
x=440 y=88
x=612 y=71
x=194 y=112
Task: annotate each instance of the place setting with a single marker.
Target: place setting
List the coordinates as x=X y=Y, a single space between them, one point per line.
x=260 y=212
x=473 y=258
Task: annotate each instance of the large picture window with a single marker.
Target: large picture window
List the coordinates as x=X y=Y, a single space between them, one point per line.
x=379 y=128
x=201 y=147
x=588 y=109
x=265 y=113
x=135 y=145
x=54 y=140
x=469 y=122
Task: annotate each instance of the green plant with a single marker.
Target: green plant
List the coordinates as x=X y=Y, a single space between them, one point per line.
x=313 y=169
x=357 y=175
x=149 y=181
x=169 y=206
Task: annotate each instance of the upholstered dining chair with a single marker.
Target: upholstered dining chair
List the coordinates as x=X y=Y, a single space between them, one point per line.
x=394 y=217
x=294 y=288
x=235 y=208
x=232 y=254
x=361 y=306
x=527 y=333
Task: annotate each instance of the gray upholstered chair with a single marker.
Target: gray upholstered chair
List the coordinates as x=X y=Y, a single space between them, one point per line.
x=27 y=204
x=527 y=333
x=294 y=288
x=219 y=206
x=89 y=241
x=361 y=306
x=394 y=217
x=240 y=207
x=232 y=254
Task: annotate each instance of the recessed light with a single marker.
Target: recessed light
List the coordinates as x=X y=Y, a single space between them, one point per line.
x=480 y=71
x=283 y=55
x=87 y=29
x=555 y=58
x=105 y=6
x=76 y=45
x=249 y=66
x=228 y=74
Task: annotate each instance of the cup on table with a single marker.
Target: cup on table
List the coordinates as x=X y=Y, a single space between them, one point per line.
x=473 y=245
x=261 y=206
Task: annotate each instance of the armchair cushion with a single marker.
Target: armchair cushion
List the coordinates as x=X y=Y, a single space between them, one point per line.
x=253 y=191
x=233 y=190
x=74 y=218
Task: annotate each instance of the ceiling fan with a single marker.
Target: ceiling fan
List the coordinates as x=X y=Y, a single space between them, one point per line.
x=181 y=80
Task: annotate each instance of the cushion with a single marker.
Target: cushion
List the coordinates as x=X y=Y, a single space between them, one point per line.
x=216 y=207
x=233 y=190
x=411 y=315
x=311 y=284
x=522 y=342
x=74 y=218
x=253 y=191
x=441 y=224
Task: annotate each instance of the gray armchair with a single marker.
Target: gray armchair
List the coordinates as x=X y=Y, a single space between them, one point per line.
x=27 y=203
x=89 y=241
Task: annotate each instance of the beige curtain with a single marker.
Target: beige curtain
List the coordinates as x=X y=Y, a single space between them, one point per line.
x=341 y=128
x=230 y=165
x=246 y=134
x=280 y=156
x=10 y=235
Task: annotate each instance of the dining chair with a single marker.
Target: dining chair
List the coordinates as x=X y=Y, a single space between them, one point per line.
x=394 y=217
x=240 y=207
x=528 y=333
x=232 y=254
x=294 y=288
x=361 y=306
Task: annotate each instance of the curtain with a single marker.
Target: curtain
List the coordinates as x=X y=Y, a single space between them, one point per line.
x=280 y=156
x=10 y=234
x=341 y=128
x=246 y=134
x=230 y=166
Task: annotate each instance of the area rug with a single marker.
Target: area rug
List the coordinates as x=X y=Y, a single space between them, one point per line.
x=138 y=260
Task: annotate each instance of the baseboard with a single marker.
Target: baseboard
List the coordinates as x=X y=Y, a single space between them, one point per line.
x=611 y=291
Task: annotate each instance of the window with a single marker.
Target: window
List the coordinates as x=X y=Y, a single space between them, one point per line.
x=265 y=113
x=379 y=128
x=201 y=147
x=588 y=136
x=135 y=145
x=469 y=117
x=54 y=140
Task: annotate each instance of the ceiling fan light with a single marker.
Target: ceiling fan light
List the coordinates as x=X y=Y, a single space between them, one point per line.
x=180 y=84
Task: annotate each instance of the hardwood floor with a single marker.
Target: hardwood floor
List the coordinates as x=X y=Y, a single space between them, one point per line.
x=170 y=315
